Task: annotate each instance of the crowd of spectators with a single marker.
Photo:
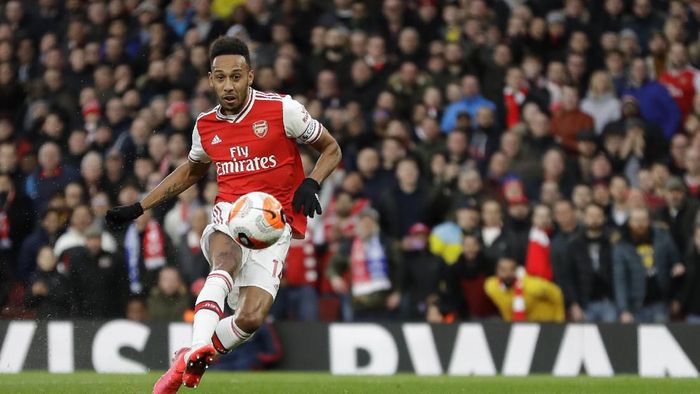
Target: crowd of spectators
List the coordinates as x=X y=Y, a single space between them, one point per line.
x=521 y=159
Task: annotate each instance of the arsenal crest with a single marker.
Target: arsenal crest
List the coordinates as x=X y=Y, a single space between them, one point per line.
x=260 y=128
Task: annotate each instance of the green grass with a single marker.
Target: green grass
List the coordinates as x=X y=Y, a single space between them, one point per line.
x=290 y=382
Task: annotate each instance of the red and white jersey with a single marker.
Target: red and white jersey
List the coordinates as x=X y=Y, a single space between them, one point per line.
x=256 y=150
x=682 y=85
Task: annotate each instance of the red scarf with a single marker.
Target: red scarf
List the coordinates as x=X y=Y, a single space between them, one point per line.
x=153 y=246
x=518 y=307
x=537 y=262
x=513 y=100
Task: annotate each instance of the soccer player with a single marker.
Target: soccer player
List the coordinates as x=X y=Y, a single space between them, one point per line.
x=251 y=138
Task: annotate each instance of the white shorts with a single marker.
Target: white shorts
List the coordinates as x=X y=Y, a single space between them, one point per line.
x=259 y=267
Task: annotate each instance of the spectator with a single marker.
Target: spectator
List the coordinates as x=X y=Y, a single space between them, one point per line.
x=692 y=171
x=16 y=218
x=463 y=294
x=297 y=298
x=537 y=256
x=136 y=309
x=169 y=300
x=134 y=143
x=643 y=21
x=50 y=176
x=570 y=120
x=680 y=213
x=192 y=263
x=48 y=291
x=445 y=200
x=99 y=286
x=587 y=277
x=484 y=139
x=689 y=296
x=566 y=228
x=644 y=262
x=432 y=141
x=514 y=96
x=418 y=273
x=498 y=240
x=655 y=103
x=44 y=235
x=521 y=297
x=406 y=203
x=372 y=267
x=147 y=250
x=375 y=178
x=601 y=103
x=80 y=219
x=619 y=211
x=681 y=79
x=470 y=103
x=177 y=220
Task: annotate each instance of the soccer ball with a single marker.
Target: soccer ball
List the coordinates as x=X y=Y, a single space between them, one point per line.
x=256 y=220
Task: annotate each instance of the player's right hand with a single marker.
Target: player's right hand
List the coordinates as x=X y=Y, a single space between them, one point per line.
x=118 y=217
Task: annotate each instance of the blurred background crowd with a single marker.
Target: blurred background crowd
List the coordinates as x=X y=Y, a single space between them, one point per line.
x=503 y=159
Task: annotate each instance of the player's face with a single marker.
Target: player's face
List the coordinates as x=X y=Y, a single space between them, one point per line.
x=230 y=76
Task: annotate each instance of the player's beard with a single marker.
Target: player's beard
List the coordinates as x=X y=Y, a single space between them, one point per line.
x=235 y=108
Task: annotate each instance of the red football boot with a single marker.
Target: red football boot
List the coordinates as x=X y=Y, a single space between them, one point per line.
x=171 y=380
x=199 y=360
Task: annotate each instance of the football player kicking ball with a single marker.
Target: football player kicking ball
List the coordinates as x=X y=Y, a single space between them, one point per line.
x=251 y=137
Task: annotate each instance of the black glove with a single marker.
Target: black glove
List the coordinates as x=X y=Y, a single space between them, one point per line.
x=307 y=196
x=117 y=217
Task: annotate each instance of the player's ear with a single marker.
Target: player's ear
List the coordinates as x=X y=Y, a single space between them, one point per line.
x=211 y=84
x=251 y=76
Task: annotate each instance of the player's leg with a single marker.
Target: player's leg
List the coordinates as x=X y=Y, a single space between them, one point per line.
x=224 y=256
x=259 y=281
x=254 y=304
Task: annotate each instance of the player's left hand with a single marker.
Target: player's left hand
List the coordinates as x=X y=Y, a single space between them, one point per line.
x=306 y=197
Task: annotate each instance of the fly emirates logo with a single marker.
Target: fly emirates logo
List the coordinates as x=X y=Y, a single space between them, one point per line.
x=242 y=162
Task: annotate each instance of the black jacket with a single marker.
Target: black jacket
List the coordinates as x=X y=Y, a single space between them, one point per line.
x=689 y=296
x=56 y=303
x=418 y=276
x=99 y=283
x=681 y=226
x=452 y=280
x=579 y=276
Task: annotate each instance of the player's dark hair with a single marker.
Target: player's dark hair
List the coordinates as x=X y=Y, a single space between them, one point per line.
x=228 y=46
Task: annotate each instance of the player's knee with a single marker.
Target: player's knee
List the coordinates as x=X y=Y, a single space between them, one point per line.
x=225 y=265
x=249 y=321
x=227 y=259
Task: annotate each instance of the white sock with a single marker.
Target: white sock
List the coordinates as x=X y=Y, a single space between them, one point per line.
x=209 y=308
x=228 y=335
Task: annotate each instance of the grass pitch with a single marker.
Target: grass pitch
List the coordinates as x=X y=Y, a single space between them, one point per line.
x=291 y=382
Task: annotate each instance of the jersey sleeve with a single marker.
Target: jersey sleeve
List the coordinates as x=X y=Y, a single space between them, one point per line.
x=298 y=123
x=197 y=153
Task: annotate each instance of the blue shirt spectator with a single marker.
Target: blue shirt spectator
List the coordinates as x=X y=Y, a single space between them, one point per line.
x=50 y=176
x=656 y=104
x=470 y=103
